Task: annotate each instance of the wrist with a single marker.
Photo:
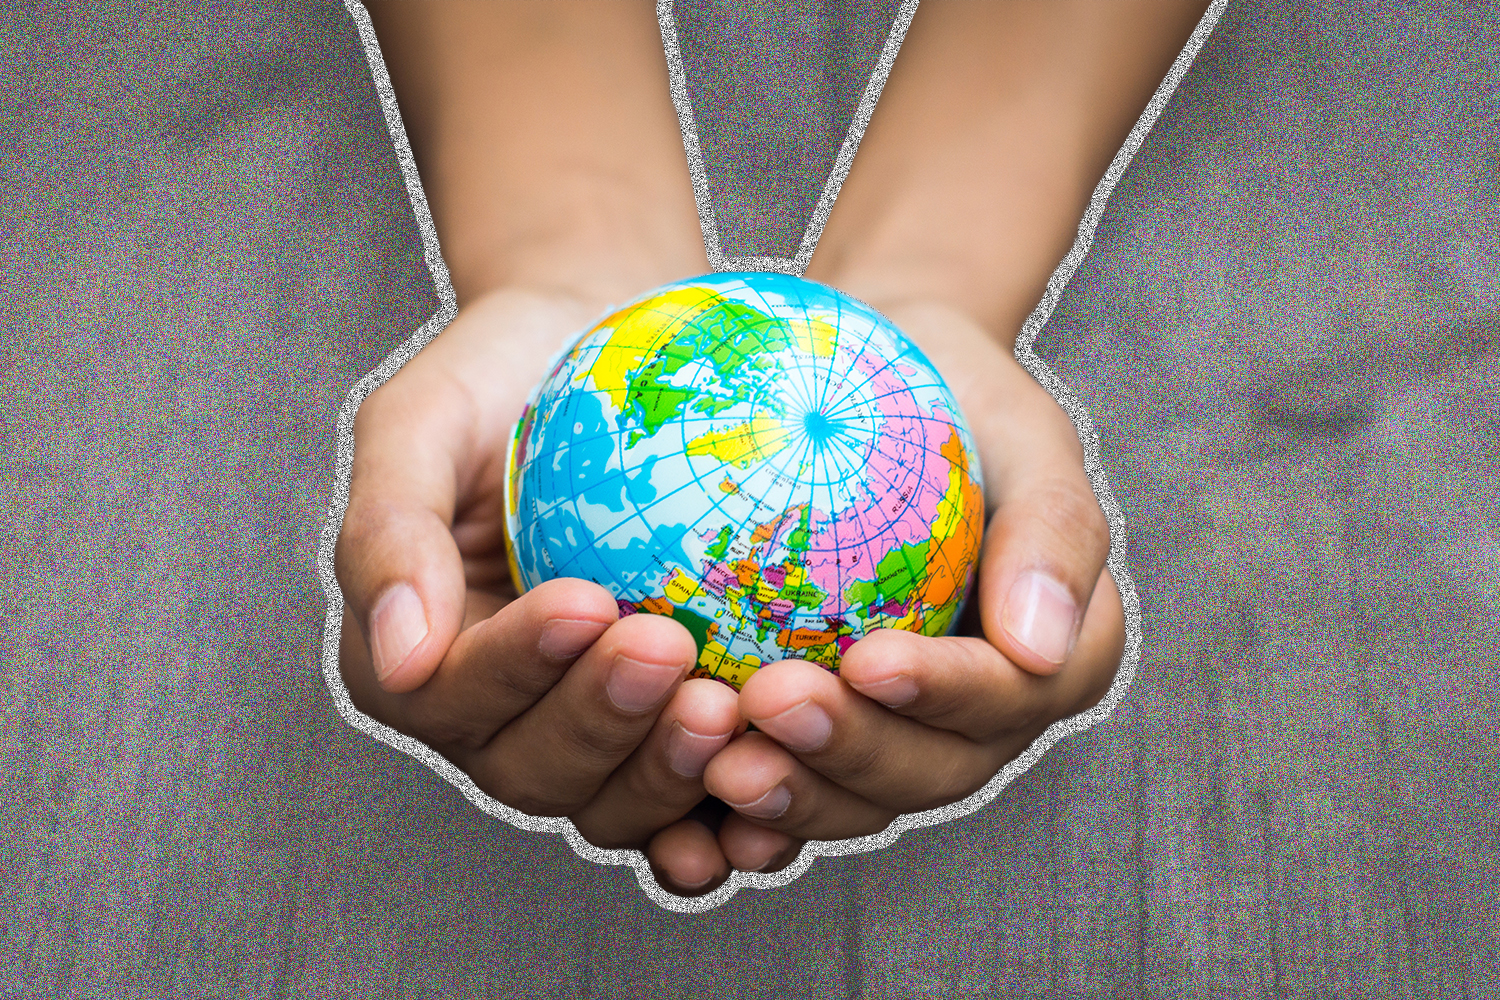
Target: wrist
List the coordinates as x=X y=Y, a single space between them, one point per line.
x=592 y=237
x=547 y=142
x=975 y=201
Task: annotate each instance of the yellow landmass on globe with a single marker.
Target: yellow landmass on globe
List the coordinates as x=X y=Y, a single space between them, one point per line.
x=680 y=588
x=754 y=441
x=717 y=661
x=813 y=336
x=641 y=329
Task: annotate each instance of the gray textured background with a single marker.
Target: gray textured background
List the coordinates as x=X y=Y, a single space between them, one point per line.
x=1286 y=334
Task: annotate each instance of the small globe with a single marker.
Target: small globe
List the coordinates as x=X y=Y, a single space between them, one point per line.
x=761 y=457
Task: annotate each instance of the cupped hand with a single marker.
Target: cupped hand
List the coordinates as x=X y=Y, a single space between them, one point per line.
x=549 y=701
x=911 y=723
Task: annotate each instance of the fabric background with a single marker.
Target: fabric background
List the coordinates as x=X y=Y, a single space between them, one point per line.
x=1286 y=334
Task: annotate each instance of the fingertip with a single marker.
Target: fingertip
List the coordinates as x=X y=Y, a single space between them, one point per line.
x=778 y=686
x=879 y=666
x=702 y=721
x=654 y=638
x=879 y=654
x=686 y=859
x=750 y=847
x=398 y=630
x=571 y=614
x=401 y=578
x=707 y=707
x=745 y=769
x=573 y=598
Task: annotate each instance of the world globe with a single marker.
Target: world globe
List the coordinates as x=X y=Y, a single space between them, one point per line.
x=763 y=458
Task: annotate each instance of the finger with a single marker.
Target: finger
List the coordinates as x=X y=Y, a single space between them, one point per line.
x=686 y=859
x=359 y=679
x=396 y=561
x=766 y=785
x=555 y=757
x=663 y=778
x=894 y=762
x=751 y=847
x=967 y=686
x=431 y=439
x=501 y=666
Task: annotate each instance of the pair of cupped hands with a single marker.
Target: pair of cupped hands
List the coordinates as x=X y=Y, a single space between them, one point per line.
x=556 y=706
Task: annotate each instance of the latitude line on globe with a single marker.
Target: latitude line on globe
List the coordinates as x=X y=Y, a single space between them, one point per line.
x=801 y=306
x=913 y=416
x=890 y=528
x=887 y=362
x=721 y=339
x=690 y=530
x=865 y=541
x=890 y=524
x=809 y=432
x=838 y=324
x=638 y=515
x=843 y=404
x=927 y=578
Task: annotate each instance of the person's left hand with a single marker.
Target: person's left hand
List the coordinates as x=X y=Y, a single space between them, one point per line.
x=910 y=722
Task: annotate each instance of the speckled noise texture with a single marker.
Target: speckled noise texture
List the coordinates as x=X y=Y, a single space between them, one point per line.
x=797 y=266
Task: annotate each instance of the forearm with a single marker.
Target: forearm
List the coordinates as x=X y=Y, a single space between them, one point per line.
x=547 y=143
x=997 y=123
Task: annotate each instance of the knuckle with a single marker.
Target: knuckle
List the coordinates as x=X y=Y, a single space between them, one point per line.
x=873 y=823
x=864 y=763
x=443 y=725
x=1095 y=692
x=607 y=840
x=1029 y=714
x=958 y=778
x=525 y=793
x=950 y=692
x=347 y=547
x=600 y=745
x=1074 y=515
x=658 y=784
x=603 y=832
x=802 y=813
x=359 y=540
x=370 y=412
x=360 y=698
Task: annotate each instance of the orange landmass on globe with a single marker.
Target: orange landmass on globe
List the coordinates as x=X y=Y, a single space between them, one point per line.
x=959 y=527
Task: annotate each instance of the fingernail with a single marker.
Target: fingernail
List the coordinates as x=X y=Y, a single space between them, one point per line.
x=802 y=727
x=768 y=806
x=397 y=625
x=893 y=692
x=688 y=753
x=780 y=859
x=566 y=638
x=690 y=886
x=1041 y=616
x=634 y=686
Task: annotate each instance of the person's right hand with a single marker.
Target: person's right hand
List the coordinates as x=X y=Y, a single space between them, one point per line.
x=549 y=701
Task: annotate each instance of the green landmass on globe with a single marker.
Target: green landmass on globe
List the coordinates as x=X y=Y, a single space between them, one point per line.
x=764 y=459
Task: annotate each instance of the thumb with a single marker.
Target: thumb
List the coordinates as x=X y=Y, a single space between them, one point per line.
x=1048 y=540
x=396 y=560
